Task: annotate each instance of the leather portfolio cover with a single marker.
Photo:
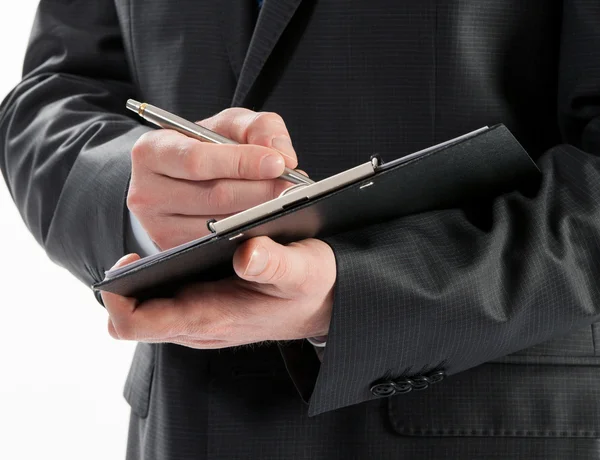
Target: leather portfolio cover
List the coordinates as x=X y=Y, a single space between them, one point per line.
x=481 y=166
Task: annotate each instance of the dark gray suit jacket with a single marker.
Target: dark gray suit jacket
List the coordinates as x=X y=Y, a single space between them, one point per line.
x=501 y=297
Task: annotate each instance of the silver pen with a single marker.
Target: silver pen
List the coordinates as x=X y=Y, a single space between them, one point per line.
x=168 y=120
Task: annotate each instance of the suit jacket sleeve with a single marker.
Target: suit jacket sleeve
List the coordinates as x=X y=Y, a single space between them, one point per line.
x=449 y=290
x=65 y=137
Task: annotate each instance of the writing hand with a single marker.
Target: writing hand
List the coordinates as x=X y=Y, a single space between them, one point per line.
x=178 y=183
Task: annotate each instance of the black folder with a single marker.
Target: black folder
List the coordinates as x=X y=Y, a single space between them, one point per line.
x=478 y=165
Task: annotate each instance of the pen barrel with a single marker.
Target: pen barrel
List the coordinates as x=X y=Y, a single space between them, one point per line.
x=167 y=120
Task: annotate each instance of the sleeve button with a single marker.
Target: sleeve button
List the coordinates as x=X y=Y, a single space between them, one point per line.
x=420 y=382
x=403 y=386
x=436 y=377
x=383 y=389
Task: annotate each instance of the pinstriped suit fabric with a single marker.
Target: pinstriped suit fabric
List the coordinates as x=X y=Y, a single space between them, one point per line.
x=502 y=295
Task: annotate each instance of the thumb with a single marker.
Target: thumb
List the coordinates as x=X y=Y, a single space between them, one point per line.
x=114 y=302
x=262 y=260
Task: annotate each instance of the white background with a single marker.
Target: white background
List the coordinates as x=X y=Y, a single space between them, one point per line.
x=61 y=375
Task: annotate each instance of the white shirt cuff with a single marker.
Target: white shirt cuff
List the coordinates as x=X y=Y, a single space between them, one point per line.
x=137 y=240
x=316 y=342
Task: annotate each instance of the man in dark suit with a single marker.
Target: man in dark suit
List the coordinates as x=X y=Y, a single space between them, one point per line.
x=490 y=311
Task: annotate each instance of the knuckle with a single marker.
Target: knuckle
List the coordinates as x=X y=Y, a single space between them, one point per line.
x=263 y=126
x=226 y=118
x=266 y=119
x=185 y=154
x=214 y=122
x=140 y=148
x=145 y=144
x=111 y=329
x=143 y=201
x=233 y=112
x=282 y=269
x=125 y=330
x=137 y=200
x=239 y=167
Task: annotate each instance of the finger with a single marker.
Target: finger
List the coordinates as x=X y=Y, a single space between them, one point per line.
x=111 y=329
x=203 y=198
x=293 y=268
x=155 y=320
x=195 y=311
x=179 y=229
x=118 y=306
x=174 y=155
x=301 y=171
x=261 y=128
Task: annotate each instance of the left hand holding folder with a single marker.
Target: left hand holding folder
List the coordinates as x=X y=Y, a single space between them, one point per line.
x=282 y=293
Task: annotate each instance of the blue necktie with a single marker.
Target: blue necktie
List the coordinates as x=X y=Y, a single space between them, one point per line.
x=260 y=2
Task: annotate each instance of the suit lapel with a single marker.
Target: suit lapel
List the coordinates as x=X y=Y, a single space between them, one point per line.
x=238 y=19
x=273 y=18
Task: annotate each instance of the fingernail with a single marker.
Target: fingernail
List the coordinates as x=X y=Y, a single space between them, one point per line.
x=271 y=166
x=284 y=146
x=258 y=262
x=120 y=260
